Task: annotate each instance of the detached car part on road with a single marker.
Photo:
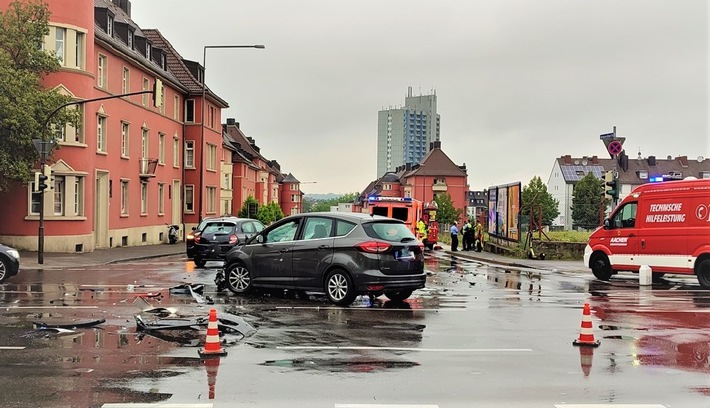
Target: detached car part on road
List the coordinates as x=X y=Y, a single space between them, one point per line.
x=340 y=254
x=215 y=236
x=9 y=262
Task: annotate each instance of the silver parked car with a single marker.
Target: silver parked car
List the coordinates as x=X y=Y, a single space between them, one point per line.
x=340 y=254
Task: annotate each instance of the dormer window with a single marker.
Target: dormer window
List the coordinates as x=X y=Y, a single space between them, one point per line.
x=162 y=60
x=130 y=39
x=109 y=26
x=147 y=50
x=643 y=174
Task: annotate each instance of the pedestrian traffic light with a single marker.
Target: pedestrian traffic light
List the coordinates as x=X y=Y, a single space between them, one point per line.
x=158 y=93
x=47 y=178
x=611 y=186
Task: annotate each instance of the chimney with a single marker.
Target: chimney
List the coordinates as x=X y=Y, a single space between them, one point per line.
x=595 y=160
x=567 y=159
x=231 y=121
x=437 y=144
x=651 y=160
x=683 y=160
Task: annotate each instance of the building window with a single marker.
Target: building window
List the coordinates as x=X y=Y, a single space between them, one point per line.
x=190 y=110
x=294 y=186
x=176 y=152
x=176 y=108
x=58 y=195
x=147 y=50
x=35 y=199
x=211 y=195
x=146 y=86
x=102 y=71
x=79 y=48
x=60 y=35
x=144 y=198
x=189 y=199
x=211 y=157
x=211 y=116
x=161 y=148
x=124 y=197
x=78 y=196
x=294 y=198
x=126 y=84
x=101 y=134
x=125 y=137
x=130 y=39
x=109 y=26
x=144 y=144
x=227 y=181
x=190 y=154
x=161 y=198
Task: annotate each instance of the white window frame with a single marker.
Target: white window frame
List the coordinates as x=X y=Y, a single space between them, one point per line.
x=78 y=196
x=102 y=71
x=211 y=157
x=101 y=132
x=161 y=148
x=211 y=199
x=176 y=152
x=144 y=198
x=146 y=86
x=189 y=198
x=176 y=107
x=60 y=45
x=59 y=195
x=161 y=198
x=125 y=139
x=109 y=26
x=126 y=80
x=189 y=154
x=124 y=197
x=79 y=49
x=145 y=142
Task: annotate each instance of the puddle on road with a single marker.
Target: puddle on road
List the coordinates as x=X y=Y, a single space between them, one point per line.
x=339 y=366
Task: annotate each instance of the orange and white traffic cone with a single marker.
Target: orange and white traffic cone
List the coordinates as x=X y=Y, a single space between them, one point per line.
x=586 y=337
x=213 y=347
x=212 y=366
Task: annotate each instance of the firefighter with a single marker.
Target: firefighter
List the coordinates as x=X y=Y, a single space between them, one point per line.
x=467 y=232
x=421 y=230
x=478 y=237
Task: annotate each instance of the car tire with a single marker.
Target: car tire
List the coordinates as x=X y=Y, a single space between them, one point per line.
x=399 y=295
x=600 y=266
x=199 y=262
x=339 y=288
x=703 y=273
x=238 y=278
x=4 y=270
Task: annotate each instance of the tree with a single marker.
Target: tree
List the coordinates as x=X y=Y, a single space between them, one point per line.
x=324 y=205
x=269 y=213
x=25 y=105
x=446 y=213
x=587 y=201
x=536 y=197
x=244 y=212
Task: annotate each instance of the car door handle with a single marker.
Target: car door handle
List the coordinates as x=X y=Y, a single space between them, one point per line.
x=632 y=235
x=284 y=250
x=324 y=247
x=643 y=243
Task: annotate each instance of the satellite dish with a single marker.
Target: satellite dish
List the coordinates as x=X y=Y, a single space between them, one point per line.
x=576 y=162
x=584 y=162
x=700 y=158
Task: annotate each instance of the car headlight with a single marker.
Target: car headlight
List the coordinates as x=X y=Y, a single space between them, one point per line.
x=13 y=253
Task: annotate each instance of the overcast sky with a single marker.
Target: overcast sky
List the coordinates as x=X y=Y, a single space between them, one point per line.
x=519 y=82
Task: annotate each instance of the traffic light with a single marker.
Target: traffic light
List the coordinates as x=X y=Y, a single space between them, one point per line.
x=47 y=178
x=158 y=93
x=611 y=186
x=40 y=182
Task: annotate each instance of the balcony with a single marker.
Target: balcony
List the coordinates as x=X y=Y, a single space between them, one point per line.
x=147 y=168
x=438 y=187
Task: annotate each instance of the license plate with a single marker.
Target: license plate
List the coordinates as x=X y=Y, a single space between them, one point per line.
x=404 y=254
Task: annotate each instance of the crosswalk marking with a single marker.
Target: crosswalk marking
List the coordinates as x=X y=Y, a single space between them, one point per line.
x=462 y=350
x=12 y=347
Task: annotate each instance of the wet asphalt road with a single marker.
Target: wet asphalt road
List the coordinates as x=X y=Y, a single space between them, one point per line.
x=478 y=335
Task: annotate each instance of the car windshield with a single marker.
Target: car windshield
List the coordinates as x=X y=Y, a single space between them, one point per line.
x=388 y=231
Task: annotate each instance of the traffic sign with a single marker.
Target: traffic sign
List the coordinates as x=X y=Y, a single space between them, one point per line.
x=606 y=136
x=614 y=147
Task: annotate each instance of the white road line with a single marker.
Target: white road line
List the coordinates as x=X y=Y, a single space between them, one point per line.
x=366 y=309
x=49 y=307
x=12 y=347
x=384 y=406
x=609 y=406
x=470 y=350
x=157 y=404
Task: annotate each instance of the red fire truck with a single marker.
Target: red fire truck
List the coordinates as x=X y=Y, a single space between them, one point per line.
x=409 y=211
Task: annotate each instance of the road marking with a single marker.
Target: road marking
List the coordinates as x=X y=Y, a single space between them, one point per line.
x=374 y=309
x=51 y=307
x=471 y=350
x=157 y=404
x=12 y=347
x=384 y=406
x=609 y=406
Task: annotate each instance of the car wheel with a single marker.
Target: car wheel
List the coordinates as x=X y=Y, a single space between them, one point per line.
x=199 y=262
x=703 y=273
x=3 y=270
x=339 y=288
x=238 y=278
x=600 y=266
x=399 y=295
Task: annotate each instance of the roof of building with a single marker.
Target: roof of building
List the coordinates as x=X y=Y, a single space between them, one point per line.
x=290 y=179
x=436 y=163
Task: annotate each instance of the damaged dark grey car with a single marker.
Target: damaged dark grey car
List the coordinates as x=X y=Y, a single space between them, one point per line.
x=340 y=254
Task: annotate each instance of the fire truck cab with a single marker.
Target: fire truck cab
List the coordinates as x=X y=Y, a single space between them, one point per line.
x=408 y=210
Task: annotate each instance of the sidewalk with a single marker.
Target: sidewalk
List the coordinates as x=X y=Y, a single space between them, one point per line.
x=52 y=260
x=548 y=265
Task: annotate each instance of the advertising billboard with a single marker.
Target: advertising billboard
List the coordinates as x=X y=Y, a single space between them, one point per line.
x=504 y=211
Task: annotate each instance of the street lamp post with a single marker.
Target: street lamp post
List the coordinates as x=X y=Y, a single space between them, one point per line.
x=202 y=118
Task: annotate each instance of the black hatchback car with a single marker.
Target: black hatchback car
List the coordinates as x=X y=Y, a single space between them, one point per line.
x=9 y=262
x=340 y=254
x=215 y=236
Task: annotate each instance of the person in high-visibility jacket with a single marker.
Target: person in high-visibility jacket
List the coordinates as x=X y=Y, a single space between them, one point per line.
x=421 y=230
x=478 y=237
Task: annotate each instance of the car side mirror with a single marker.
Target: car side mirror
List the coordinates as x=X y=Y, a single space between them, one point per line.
x=606 y=223
x=260 y=239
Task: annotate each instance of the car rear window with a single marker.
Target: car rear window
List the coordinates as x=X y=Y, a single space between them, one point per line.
x=388 y=231
x=219 y=227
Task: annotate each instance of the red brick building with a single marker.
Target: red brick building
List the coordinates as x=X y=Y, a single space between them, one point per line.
x=130 y=168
